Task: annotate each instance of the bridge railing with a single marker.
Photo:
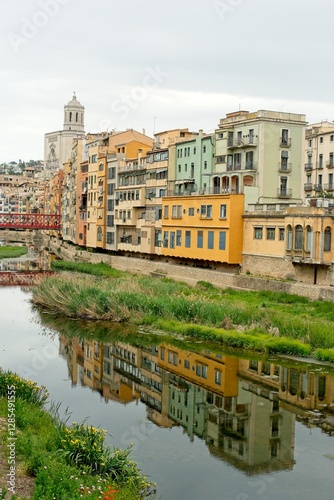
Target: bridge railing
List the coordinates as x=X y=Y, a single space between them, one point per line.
x=29 y=221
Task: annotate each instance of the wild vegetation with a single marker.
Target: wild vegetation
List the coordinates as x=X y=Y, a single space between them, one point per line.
x=271 y=322
x=8 y=252
x=66 y=461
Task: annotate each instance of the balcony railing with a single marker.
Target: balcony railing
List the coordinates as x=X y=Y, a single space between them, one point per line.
x=285 y=142
x=284 y=167
x=329 y=187
x=308 y=166
x=318 y=187
x=284 y=192
x=245 y=142
x=308 y=186
x=330 y=164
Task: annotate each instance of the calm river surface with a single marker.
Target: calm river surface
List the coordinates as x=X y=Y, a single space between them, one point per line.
x=203 y=425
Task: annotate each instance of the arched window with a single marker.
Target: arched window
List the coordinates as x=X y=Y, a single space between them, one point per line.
x=70 y=116
x=99 y=234
x=298 y=237
x=289 y=238
x=76 y=117
x=328 y=239
x=308 y=239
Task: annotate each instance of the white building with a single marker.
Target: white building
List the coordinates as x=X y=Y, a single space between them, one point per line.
x=58 y=144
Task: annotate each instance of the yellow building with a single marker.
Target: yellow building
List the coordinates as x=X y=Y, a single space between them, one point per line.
x=295 y=243
x=206 y=370
x=207 y=228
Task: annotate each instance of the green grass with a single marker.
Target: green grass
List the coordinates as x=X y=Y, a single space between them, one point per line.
x=8 y=252
x=66 y=461
x=100 y=269
x=121 y=297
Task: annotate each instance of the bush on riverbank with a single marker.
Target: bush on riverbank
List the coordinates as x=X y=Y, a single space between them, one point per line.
x=67 y=462
x=9 y=252
x=136 y=297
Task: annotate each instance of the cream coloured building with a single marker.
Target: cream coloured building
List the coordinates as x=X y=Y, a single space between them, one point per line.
x=58 y=144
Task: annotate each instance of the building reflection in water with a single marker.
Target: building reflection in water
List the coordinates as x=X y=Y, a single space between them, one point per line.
x=245 y=410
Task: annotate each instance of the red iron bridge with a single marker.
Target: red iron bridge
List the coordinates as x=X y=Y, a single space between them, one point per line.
x=21 y=278
x=29 y=221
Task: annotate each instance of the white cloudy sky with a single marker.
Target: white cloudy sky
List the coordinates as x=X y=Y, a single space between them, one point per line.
x=163 y=64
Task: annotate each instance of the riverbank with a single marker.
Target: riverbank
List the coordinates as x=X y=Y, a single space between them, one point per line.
x=11 y=251
x=190 y=275
x=42 y=457
x=268 y=322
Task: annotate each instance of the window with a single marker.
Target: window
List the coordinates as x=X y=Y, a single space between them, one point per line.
x=258 y=233
x=191 y=211
x=285 y=137
x=187 y=364
x=321 y=158
x=218 y=377
x=205 y=165
x=177 y=211
x=206 y=211
x=327 y=239
x=162 y=353
x=211 y=240
x=166 y=207
x=179 y=168
x=222 y=211
x=202 y=371
x=204 y=148
x=110 y=238
x=331 y=138
x=298 y=237
x=199 y=239
x=94 y=159
x=165 y=239
x=321 y=140
x=310 y=143
x=222 y=240
x=99 y=234
x=194 y=150
x=172 y=239
x=281 y=233
x=188 y=239
x=289 y=242
x=270 y=233
x=157 y=238
x=308 y=239
x=178 y=237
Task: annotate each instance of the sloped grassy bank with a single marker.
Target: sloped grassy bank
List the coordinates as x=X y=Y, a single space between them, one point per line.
x=68 y=462
x=11 y=251
x=270 y=322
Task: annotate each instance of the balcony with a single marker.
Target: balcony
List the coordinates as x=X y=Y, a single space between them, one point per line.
x=308 y=186
x=329 y=187
x=318 y=187
x=284 y=193
x=284 y=167
x=308 y=166
x=320 y=165
x=285 y=142
x=250 y=165
x=330 y=164
x=245 y=142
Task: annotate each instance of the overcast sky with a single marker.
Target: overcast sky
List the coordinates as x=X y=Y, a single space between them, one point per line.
x=155 y=65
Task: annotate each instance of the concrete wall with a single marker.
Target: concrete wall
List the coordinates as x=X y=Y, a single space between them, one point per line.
x=188 y=274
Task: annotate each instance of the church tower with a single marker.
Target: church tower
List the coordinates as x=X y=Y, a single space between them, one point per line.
x=74 y=116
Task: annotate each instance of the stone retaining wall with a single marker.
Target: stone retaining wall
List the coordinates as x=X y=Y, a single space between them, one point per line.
x=188 y=274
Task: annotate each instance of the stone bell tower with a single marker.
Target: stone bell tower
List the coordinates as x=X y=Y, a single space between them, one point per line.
x=74 y=116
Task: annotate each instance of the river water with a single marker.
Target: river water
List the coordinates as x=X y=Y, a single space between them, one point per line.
x=203 y=424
